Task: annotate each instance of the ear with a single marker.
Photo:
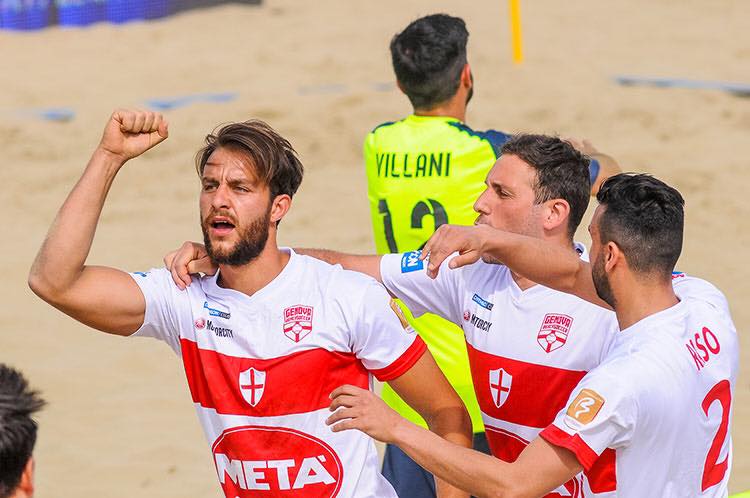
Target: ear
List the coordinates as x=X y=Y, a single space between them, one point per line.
x=26 y=486
x=279 y=207
x=613 y=257
x=556 y=213
x=466 y=80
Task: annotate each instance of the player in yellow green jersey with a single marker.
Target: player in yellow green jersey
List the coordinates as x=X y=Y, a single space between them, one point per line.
x=425 y=171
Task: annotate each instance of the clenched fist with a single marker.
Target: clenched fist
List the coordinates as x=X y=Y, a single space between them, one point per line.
x=129 y=134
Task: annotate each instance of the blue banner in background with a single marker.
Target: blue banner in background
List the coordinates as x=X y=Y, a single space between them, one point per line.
x=25 y=15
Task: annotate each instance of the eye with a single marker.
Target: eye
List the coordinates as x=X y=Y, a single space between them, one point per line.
x=208 y=186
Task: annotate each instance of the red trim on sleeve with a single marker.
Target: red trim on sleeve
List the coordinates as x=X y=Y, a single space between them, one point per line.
x=585 y=455
x=403 y=363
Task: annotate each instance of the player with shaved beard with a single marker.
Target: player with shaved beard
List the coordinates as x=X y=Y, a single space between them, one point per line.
x=266 y=339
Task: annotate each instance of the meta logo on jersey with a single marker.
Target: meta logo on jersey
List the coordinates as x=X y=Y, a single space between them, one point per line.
x=410 y=262
x=583 y=409
x=276 y=462
x=554 y=331
x=298 y=322
x=481 y=302
x=500 y=382
x=252 y=385
x=216 y=311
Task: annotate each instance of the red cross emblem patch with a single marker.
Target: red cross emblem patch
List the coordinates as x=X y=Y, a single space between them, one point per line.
x=500 y=382
x=252 y=385
x=298 y=322
x=554 y=331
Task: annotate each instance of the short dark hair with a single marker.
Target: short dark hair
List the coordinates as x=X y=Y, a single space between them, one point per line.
x=274 y=158
x=645 y=218
x=428 y=57
x=562 y=172
x=17 y=429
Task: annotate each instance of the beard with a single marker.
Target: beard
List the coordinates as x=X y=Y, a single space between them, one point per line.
x=601 y=282
x=252 y=242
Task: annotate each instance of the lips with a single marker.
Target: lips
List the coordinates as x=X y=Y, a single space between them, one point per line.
x=220 y=226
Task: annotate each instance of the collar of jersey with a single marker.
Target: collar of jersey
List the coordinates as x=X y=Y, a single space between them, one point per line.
x=447 y=119
x=519 y=294
x=286 y=273
x=671 y=316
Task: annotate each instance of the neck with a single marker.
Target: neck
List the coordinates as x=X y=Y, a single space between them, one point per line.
x=256 y=274
x=641 y=298
x=524 y=283
x=453 y=108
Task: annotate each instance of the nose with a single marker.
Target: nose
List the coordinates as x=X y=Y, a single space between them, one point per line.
x=480 y=205
x=220 y=199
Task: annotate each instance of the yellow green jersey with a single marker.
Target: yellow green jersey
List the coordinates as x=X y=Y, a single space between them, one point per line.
x=423 y=172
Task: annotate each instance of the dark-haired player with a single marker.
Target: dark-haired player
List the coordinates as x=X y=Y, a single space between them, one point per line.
x=427 y=170
x=18 y=431
x=661 y=398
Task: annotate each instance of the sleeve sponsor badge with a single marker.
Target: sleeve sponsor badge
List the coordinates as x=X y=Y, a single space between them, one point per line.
x=410 y=262
x=584 y=408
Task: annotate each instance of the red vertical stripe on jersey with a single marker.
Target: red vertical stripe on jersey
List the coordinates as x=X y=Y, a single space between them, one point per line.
x=403 y=363
x=535 y=393
x=297 y=383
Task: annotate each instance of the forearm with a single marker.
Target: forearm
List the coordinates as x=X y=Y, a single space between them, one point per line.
x=607 y=167
x=548 y=264
x=60 y=261
x=454 y=425
x=367 y=264
x=469 y=470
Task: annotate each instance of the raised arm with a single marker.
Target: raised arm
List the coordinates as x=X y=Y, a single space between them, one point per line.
x=540 y=261
x=607 y=164
x=367 y=264
x=104 y=298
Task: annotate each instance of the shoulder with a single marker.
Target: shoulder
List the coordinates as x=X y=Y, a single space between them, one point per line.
x=383 y=126
x=495 y=138
x=695 y=289
x=337 y=282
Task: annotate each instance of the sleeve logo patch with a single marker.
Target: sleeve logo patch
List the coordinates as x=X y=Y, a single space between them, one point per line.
x=399 y=313
x=585 y=407
x=410 y=262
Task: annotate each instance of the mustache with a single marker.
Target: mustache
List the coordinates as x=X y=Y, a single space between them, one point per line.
x=218 y=213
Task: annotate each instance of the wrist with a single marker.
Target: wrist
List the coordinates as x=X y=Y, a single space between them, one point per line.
x=110 y=161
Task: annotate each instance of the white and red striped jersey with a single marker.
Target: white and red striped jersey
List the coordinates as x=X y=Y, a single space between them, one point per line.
x=260 y=369
x=527 y=349
x=662 y=399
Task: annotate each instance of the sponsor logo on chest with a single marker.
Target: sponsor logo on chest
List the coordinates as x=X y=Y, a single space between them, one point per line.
x=252 y=385
x=500 y=383
x=278 y=462
x=218 y=330
x=298 y=322
x=553 y=333
x=477 y=322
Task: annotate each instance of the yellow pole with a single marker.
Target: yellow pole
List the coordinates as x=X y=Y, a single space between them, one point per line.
x=515 y=30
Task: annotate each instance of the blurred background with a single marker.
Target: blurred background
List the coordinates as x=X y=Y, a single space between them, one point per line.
x=120 y=421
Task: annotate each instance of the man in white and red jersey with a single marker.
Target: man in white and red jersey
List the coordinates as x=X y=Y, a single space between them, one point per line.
x=266 y=339
x=662 y=397
x=528 y=345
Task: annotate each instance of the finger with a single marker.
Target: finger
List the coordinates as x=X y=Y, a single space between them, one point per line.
x=345 y=426
x=138 y=121
x=126 y=120
x=346 y=389
x=437 y=256
x=148 y=121
x=169 y=258
x=183 y=273
x=463 y=260
x=163 y=128
x=341 y=414
x=344 y=400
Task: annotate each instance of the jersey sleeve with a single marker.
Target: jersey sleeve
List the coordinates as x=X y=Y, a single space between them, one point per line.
x=164 y=302
x=405 y=275
x=601 y=413
x=382 y=339
x=691 y=288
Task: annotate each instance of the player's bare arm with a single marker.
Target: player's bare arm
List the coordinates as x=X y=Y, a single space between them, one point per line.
x=539 y=469
x=607 y=164
x=425 y=388
x=192 y=258
x=540 y=261
x=104 y=298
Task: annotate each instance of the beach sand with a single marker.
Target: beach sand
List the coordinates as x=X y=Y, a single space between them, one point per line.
x=120 y=421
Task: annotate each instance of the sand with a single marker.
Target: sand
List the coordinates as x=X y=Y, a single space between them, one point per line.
x=120 y=421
